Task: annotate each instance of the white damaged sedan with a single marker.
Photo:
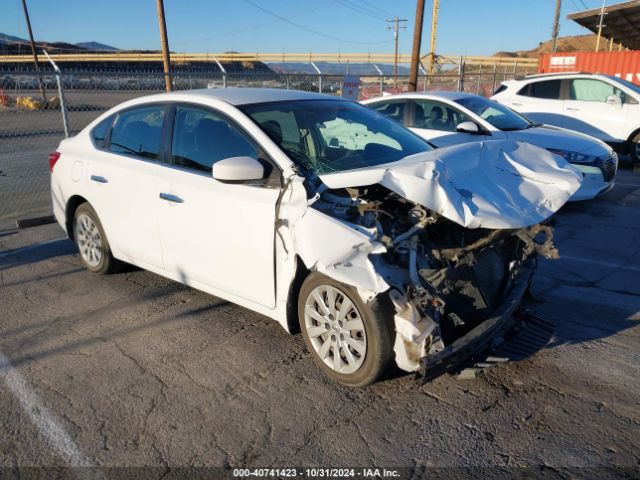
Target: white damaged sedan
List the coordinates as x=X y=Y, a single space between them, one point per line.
x=319 y=213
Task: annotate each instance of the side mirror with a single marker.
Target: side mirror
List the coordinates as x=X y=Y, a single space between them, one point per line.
x=468 y=127
x=614 y=100
x=237 y=169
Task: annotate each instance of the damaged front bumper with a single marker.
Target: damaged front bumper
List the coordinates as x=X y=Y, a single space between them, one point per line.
x=489 y=334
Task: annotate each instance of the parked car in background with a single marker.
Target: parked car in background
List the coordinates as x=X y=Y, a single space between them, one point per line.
x=320 y=213
x=452 y=118
x=603 y=106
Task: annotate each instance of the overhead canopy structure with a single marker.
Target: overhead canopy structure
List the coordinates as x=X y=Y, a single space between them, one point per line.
x=620 y=22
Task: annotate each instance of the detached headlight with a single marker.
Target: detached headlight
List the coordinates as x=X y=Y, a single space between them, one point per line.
x=574 y=157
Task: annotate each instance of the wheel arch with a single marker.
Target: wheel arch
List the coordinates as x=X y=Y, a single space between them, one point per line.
x=72 y=205
x=302 y=272
x=633 y=133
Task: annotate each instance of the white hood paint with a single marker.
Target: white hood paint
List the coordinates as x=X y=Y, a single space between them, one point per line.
x=547 y=136
x=496 y=184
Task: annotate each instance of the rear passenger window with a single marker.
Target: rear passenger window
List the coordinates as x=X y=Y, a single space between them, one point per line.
x=138 y=131
x=201 y=138
x=99 y=132
x=549 y=89
x=500 y=89
x=395 y=109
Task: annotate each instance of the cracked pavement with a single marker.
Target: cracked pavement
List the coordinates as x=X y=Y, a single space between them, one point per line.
x=141 y=371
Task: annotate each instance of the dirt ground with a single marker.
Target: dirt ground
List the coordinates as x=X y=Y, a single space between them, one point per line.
x=133 y=370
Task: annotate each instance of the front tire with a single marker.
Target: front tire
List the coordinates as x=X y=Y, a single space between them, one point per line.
x=92 y=242
x=351 y=341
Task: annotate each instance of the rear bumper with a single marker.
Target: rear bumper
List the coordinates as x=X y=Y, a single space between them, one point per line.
x=486 y=335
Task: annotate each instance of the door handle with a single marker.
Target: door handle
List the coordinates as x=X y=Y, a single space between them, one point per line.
x=99 y=179
x=516 y=104
x=171 y=198
x=572 y=109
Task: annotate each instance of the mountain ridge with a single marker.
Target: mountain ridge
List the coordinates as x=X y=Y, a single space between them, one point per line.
x=12 y=44
x=575 y=43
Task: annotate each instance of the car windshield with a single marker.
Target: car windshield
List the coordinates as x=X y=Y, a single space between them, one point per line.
x=325 y=136
x=501 y=117
x=626 y=83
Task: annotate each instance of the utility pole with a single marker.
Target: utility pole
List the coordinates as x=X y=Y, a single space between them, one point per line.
x=396 y=27
x=166 y=61
x=600 y=25
x=33 y=49
x=556 y=27
x=415 y=52
x=434 y=33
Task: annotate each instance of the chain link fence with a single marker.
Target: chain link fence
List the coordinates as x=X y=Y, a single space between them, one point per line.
x=31 y=124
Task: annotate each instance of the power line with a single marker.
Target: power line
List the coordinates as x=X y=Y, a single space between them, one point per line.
x=268 y=12
x=355 y=8
x=575 y=4
x=365 y=9
x=384 y=12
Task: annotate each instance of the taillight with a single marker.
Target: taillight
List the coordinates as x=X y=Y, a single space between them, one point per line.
x=53 y=158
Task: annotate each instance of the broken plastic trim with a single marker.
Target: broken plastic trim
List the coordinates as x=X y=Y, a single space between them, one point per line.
x=481 y=337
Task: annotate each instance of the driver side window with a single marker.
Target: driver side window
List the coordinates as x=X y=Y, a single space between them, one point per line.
x=590 y=90
x=201 y=138
x=436 y=116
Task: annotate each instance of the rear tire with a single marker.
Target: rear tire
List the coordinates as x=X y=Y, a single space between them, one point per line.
x=95 y=253
x=634 y=148
x=351 y=341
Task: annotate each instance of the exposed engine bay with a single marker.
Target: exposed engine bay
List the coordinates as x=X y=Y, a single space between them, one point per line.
x=444 y=279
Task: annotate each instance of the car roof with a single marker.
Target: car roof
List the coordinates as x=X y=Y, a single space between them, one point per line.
x=556 y=75
x=435 y=93
x=246 y=96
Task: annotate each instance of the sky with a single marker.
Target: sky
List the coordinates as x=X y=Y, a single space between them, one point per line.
x=466 y=27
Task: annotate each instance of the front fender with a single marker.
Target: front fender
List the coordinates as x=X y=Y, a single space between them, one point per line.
x=338 y=250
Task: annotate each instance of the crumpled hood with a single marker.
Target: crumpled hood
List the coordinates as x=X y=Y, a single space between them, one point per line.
x=547 y=136
x=494 y=184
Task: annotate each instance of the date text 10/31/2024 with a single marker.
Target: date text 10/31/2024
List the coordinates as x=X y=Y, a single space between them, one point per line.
x=316 y=473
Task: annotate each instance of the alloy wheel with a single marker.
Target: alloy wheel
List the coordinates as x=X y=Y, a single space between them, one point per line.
x=89 y=239
x=335 y=329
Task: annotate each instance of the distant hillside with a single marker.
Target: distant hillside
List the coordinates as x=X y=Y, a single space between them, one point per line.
x=576 y=43
x=96 y=46
x=11 y=45
x=4 y=38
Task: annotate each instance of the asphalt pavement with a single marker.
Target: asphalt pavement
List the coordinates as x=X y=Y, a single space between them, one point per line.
x=132 y=370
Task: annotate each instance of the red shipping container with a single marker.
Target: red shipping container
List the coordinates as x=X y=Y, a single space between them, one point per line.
x=625 y=65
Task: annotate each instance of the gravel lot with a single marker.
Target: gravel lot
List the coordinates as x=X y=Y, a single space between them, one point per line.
x=133 y=370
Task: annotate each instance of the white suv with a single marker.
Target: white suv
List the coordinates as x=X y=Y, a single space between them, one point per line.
x=603 y=106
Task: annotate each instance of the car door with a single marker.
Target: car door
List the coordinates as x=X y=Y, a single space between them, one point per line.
x=540 y=101
x=437 y=121
x=123 y=184
x=215 y=233
x=587 y=110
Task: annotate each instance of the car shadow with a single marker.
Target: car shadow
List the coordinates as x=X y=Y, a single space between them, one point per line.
x=111 y=335
x=36 y=253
